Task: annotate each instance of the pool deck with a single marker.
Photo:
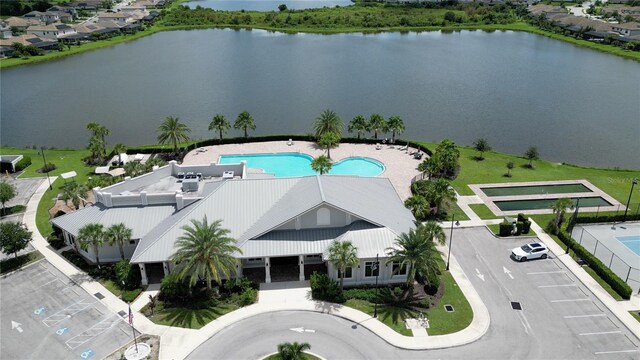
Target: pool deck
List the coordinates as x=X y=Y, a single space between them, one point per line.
x=595 y=192
x=400 y=167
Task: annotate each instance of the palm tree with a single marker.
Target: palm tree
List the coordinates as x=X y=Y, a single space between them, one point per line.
x=119 y=149
x=441 y=194
x=98 y=131
x=92 y=235
x=377 y=123
x=559 y=208
x=292 y=351
x=327 y=121
x=75 y=193
x=172 y=131
x=481 y=145
x=432 y=231
x=118 y=234
x=358 y=124
x=206 y=250
x=220 y=123
x=418 y=205
x=244 y=121
x=327 y=141
x=343 y=255
x=321 y=164
x=416 y=251
x=396 y=126
x=135 y=168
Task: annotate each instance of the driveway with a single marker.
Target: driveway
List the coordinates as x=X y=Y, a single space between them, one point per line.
x=44 y=315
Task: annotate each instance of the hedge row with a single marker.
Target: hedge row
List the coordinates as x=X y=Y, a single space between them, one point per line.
x=253 y=139
x=606 y=218
x=616 y=283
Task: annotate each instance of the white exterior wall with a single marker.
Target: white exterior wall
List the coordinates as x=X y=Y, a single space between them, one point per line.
x=338 y=218
x=107 y=254
x=44 y=34
x=358 y=274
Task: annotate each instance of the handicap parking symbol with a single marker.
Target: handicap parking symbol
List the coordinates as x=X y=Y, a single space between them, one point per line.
x=39 y=311
x=61 y=331
x=87 y=354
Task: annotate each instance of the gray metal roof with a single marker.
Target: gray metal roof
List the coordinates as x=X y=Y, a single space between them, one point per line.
x=251 y=208
x=140 y=219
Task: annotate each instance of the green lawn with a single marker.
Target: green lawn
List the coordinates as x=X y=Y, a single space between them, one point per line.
x=126 y=295
x=189 y=318
x=14 y=263
x=614 y=182
x=635 y=314
x=442 y=322
x=455 y=210
x=495 y=229
x=483 y=211
x=391 y=316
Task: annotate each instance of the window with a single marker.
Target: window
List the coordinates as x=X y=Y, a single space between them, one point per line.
x=254 y=259
x=132 y=242
x=348 y=273
x=323 y=217
x=371 y=269
x=398 y=270
x=315 y=256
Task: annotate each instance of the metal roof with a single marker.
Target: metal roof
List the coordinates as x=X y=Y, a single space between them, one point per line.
x=252 y=208
x=140 y=219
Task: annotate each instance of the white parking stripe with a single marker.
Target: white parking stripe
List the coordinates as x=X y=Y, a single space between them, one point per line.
x=546 y=272
x=568 y=300
x=601 y=333
x=552 y=286
x=614 y=352
x=583 y=316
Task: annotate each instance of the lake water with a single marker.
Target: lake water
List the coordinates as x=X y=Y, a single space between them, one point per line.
x=265 y=5
x=515 y=89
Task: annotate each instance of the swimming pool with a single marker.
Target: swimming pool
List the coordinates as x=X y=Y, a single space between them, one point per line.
x=537 y=204
x=295 y=164
x=631 y=241
x=535 y=189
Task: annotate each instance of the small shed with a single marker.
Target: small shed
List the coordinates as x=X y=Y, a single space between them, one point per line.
x=8 y=162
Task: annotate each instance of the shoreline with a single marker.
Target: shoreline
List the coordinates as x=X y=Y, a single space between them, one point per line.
x=517 y=26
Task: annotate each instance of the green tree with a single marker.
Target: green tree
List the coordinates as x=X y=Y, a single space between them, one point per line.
x=559 y=208
x=329 y=140
x=292 y=351
x=173 y=132
x=418 y=205
x=134 y=168
x=14 y=237
x=7 y=192
x=510 y=166
x=433 y=231
x=358 y=124
x=120 y=149
x=327 y=121
x=99 y=131
x=75 y=193
x=440 y=194
x=282 y=7
x=416 y=251
x=343 y=254
x=377 y=124
x=531 y=154
x=396 y=126
x=481 y=145
x=206 y=250
x=220 y=123
x=118 y=234
x=92 y=235
x=321 y=164
x=447 y=155
x=430 y=166
x=245 y=121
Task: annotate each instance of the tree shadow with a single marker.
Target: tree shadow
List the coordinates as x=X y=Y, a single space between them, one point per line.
x=527 y=166
x=327 y=307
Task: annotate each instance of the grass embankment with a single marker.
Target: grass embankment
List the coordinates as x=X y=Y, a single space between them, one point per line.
x=15 y=263
x=492 y=169
x=483 y=211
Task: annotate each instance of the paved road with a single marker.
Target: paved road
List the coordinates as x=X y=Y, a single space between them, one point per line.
x=559 y=319
x=43 y=315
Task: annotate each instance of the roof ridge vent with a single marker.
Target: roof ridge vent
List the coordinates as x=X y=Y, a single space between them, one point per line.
x=320 y=188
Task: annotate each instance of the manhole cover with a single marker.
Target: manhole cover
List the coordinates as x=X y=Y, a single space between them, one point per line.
x=448 y=308
x=99 y=296
x=122 y=313
x=516 y=305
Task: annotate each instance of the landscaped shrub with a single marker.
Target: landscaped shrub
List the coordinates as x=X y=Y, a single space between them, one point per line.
x=47 y=168
x=173 y=289
x=56 y=241
x=433 y=284
x=246 y=297
x=519 y=227
x=551 y=227
x=367 y=294
x=521 y=217
x=607 y=218
x=616 y=283
x=23 y=163
x=239 y=285
x=505 y=228
x=526 y=226
x=326 y=289
x=127 y=274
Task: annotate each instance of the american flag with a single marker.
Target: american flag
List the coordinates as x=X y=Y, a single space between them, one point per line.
x=130 y=316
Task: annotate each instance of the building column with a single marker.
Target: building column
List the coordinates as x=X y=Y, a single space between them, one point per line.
x=238 y=271
x=165 y=266
x=267 y=270
x=143 y=274
x=301 y=262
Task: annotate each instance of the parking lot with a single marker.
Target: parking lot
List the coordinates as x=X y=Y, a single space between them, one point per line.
x=47 y=316
x=558 y=316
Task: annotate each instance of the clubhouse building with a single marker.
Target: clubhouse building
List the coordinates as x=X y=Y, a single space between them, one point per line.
x=284 y=226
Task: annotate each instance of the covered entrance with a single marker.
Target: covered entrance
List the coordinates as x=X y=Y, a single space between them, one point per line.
x=284 y=268
x=155 y=272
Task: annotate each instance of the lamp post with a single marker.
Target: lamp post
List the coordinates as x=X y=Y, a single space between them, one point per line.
x=375 y=267
x=45 y=167
x=633 y=183
x=453 y=217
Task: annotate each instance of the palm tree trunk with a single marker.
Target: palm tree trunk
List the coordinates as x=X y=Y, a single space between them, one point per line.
x=220 y=134
x=208 y=282
x=329 y=152
x=342 y=279
x=121 y=250
x=375 y=134
x=245 y=133
x=95 y=248
x=393 y=137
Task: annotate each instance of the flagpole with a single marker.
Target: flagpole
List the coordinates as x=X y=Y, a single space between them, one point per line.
x=135 y=341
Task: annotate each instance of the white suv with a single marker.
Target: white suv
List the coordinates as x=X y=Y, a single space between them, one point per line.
x=530 y=251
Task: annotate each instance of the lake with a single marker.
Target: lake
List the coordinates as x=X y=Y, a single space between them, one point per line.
x=264 y=5
x=516 y=89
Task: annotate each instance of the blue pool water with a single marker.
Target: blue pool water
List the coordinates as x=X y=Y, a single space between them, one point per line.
x=631 y=241
x=294 y=164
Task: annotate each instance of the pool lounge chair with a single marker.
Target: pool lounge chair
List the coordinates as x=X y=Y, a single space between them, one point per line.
x=378 y=147
x=418 y=156
x=403 y=148
x=290 y=142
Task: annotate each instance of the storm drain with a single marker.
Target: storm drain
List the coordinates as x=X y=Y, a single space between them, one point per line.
x=122 y=313
x=448 y=308
x=516 y=305
x=99 y=296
